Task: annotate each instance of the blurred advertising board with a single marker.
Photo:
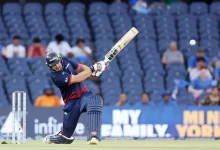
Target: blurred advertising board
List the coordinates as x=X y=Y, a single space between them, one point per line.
x=125 y=123
x=163 y=122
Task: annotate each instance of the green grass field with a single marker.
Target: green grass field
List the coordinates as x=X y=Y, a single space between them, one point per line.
x=120 y=145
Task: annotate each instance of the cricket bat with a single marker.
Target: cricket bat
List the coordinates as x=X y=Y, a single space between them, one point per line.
x=120 y=44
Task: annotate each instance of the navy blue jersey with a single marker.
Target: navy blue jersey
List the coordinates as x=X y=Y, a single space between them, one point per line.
x=63 y=79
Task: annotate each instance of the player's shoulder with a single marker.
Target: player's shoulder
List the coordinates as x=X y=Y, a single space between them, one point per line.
x=71 y=61
x=66 y=61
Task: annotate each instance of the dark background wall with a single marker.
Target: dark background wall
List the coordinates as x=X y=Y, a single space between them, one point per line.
x=89 y=1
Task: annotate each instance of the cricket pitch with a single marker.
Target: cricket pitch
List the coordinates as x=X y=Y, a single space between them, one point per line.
x=120 y=145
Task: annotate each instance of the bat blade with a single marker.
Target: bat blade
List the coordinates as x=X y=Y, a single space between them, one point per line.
x=121 y=44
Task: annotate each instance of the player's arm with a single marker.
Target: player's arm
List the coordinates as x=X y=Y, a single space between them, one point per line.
x=85 y=71
x=99 y=66
x=81 y=68
x=81 y=76
x=66 y=79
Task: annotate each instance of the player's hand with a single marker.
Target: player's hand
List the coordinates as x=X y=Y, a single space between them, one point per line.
x=94 y=74
x=100 y=66
x=98 y=73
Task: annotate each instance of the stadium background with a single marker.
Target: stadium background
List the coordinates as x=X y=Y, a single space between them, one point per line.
x=136 y=70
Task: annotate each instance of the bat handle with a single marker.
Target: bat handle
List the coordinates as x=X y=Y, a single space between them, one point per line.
x=106 y=60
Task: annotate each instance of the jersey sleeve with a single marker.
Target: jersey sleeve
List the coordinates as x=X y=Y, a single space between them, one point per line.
x=73 y=63
x=62 y=79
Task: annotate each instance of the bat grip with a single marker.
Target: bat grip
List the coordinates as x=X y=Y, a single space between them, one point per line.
x=106 y=60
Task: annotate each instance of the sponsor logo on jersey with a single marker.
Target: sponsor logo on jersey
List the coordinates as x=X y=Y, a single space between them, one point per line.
x=67 y=66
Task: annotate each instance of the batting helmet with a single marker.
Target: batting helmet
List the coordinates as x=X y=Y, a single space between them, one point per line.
x=52 y=59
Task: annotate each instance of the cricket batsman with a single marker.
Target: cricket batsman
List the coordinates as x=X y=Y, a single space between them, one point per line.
x=68 y=75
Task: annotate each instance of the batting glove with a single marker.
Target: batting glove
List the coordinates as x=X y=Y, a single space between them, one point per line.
x=98 y=68
x=98 y=73
x=93 y=74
